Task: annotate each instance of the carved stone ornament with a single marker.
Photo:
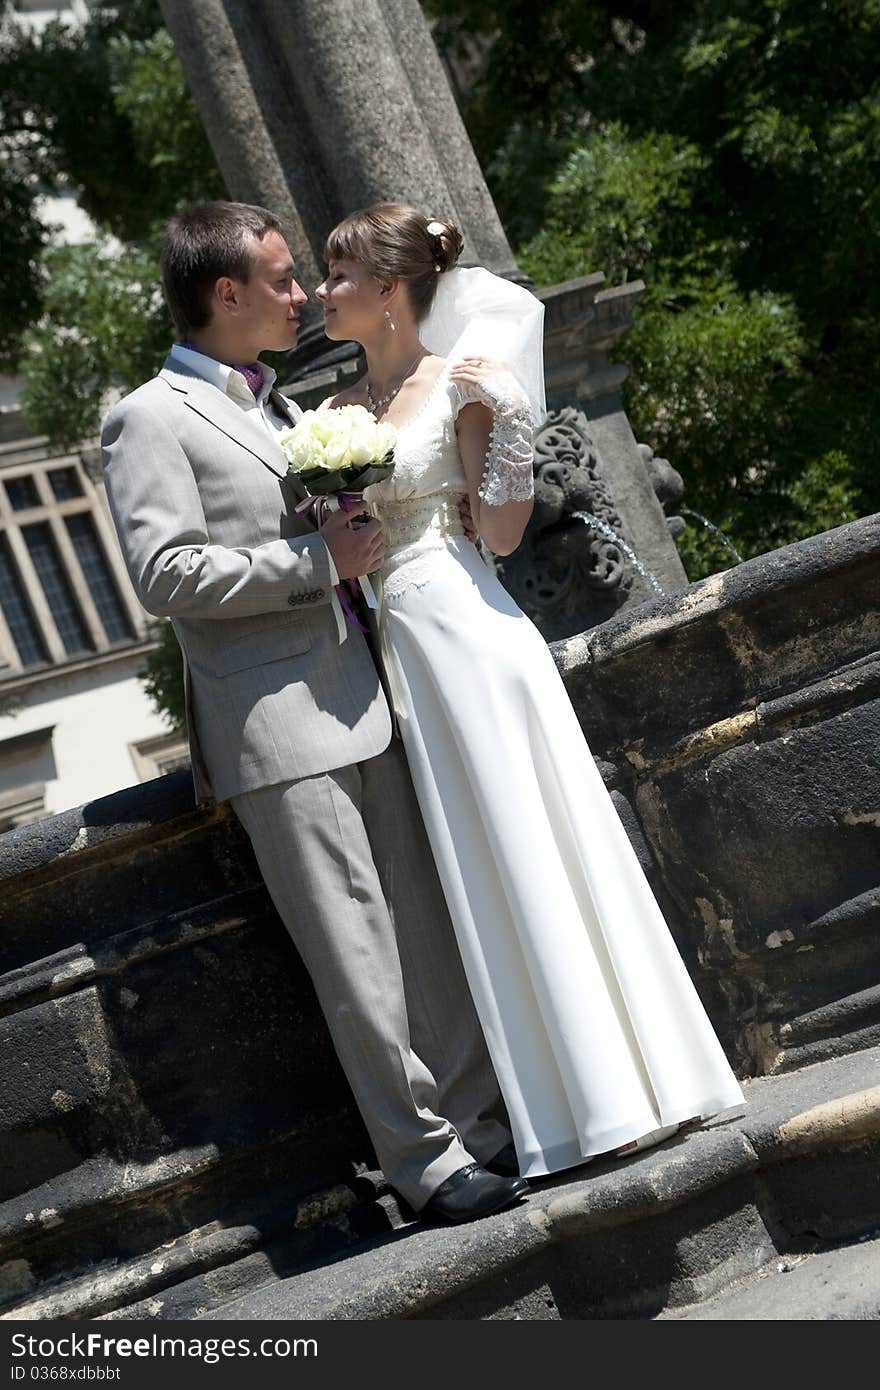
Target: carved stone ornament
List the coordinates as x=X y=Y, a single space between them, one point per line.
x=566 y=575
x=668 y=484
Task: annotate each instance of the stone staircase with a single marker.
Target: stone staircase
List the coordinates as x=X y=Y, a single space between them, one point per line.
x=679 y=1231
x=177 y=1139
x=169 y=1101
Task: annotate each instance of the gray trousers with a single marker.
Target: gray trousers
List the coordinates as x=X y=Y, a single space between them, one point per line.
x=348 y=866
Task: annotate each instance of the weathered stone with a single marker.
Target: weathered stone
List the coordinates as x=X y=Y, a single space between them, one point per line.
x=583 y=323
x=669 y=1228
x=575 y=566
x=174 y=1070
x=833 y=1286
x=744 y=720
x=167 y=1062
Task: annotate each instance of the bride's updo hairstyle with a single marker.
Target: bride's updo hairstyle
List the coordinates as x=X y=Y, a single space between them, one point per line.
x=393 y=242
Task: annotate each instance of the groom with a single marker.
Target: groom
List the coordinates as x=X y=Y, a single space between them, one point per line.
x=289 y=723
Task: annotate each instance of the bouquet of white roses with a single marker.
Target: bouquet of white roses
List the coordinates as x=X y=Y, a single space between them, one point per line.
x=341 y=450
x=336 y=453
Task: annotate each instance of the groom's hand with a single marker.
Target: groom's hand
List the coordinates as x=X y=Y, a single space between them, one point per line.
x=357 y=547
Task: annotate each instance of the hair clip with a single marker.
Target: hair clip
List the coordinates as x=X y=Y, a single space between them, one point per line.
x=435 y=229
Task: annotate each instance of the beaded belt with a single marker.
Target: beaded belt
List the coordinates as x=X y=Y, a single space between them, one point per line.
x=415 y=518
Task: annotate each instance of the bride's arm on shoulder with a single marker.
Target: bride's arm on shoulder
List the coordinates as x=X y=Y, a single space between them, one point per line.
x=500 y=522
x=494 y=429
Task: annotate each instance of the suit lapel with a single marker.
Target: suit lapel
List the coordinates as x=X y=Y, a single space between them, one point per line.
x=285 y=407
x=223 y=414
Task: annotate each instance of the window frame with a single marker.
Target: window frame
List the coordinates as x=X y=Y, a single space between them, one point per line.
x=52 y=512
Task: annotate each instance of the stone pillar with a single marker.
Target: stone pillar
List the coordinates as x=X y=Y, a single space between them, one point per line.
x=316 y=109
x=246 y=121
x=485 y=239
x=583 y=322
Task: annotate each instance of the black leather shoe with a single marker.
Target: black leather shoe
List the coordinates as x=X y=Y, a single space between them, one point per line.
x=505 y=1163
x=473 y=1192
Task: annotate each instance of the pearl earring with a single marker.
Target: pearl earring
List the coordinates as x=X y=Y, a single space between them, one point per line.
x=391 y=324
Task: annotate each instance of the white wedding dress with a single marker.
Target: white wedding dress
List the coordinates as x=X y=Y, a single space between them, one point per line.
x=594 y=1027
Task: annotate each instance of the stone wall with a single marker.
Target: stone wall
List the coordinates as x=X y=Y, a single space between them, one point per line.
x=742 y=721
x=169 y=1101
x=173 y=1124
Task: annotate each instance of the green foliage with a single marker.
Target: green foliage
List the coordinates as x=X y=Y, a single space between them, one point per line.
x=149 y=91
x=104 y=325
x=103 y=110
x=535 y=62
x=712 y=365
x=825 y=495
x=613 y=204
x=21 y=283
x=728 y=153
x=162 y=677
x=712 y=374
x=58 y=88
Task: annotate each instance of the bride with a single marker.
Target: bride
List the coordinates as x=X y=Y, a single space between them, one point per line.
x=596 y=1032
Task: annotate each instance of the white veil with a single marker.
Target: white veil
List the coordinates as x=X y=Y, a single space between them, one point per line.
x=479 y=313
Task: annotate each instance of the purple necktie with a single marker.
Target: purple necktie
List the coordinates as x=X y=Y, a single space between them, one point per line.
x=253 y=375
x=251 y=371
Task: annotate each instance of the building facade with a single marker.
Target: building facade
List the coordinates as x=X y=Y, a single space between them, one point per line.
x=75 y=719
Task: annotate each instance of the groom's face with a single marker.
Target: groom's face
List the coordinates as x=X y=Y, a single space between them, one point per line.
x=268 y=303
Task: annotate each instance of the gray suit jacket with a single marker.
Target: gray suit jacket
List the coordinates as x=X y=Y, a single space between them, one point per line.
x=203 y=505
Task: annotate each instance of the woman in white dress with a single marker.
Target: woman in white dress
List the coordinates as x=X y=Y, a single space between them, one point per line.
x=598 y=1037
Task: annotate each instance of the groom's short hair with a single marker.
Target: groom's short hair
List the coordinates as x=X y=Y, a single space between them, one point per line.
x=202 y=243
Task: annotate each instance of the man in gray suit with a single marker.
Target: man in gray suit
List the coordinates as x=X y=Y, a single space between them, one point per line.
x=289 y=722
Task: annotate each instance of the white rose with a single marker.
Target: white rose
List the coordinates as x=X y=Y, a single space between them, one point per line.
x=362 y=446
x=329 y=426
x=298 y=445
x=386 y=438
x=332 y=439
x=336 y=447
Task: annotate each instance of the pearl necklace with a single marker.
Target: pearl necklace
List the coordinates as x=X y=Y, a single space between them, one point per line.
x=376 y=405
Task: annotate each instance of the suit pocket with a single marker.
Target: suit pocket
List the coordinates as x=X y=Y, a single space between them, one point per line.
x=258 y=648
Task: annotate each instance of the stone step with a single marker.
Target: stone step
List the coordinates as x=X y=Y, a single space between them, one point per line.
x=168 y=1084
x=345 y=1227
x=113 y=864
x=75 y=967
x=169 y=1099
x=669 y=1228
x=841 y=1284
x=238 y=1236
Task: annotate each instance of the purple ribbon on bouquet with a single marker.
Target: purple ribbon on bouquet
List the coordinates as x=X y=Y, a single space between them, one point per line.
x=348 y=502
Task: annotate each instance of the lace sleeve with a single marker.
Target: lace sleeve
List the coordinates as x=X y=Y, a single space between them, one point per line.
x=508 y=474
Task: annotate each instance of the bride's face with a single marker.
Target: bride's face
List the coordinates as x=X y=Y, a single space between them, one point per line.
x=352 y=300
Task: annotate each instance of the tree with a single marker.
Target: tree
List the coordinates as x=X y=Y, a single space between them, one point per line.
x=21 y=284
x=162 y=676
x=728 y=152
x=102 y=110
x=103 y=324
x=713 y=366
